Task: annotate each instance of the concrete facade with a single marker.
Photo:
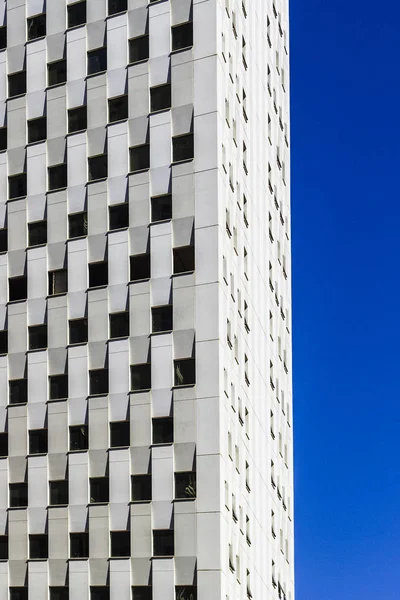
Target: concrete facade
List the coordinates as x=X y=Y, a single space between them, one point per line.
x=145 y=302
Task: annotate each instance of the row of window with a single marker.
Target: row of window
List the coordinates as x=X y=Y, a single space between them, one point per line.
x=187 y=592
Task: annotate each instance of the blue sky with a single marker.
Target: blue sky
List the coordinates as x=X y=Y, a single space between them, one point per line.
x=345 y=70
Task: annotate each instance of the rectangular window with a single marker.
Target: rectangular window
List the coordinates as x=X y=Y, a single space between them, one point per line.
x=98 y=382
x=119 y=325
x=38 y=441
x=98 y=274
x=117 y=6
x=185 y=592
x=58 y=492
x=58 y=282
x=37 y=233
x=77 y=119
x=58 y=387
x=37 y=337
x=18 y=495
x=17 y=288
x=76 y=14
x=97 y=167
x=37 y=130
x=163 y=542
x=141 y=488
x=142 y=592
x=38 y=546
x=139 y=158
x=3 y=547
x=17 y=84
x=141 y=377
x=182 y=36
x=78 y=225
x=3 y=138
x=161 y=208
x=57 y=72
x=18 y=593
x=36 y=27
x=18 y=391
x=160 y=97
x=183 y=259
x=185 y=485
x=79 y=545
x=140 y=267
x=120 y=543
x=78 y=331
x=17 y=186
x=3 y=342
x=183 y=147
x=99 y=489
x=120 y=434
x=3 y=444
x=163 y=430
x=161 y=317
x=57 y=177
x=59 y=593
x=118 y=216
x=97 y=61
x=3 y=240
x=139 y=49
x=118 y=109
x=99 y=592
x=184 y=371
x=3 y=37
x=79 y=437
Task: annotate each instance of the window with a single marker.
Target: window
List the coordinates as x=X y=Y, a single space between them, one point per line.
x=76 y=14
x=17 y=84
x=140 y=267
x=37 y=233
x=99 y=592
x=99 y=489
x=3 y=138
x=3 y=444
x=37 y=130
x=163 y=430
x=120 y=434
x=98 y=167
x=117 y=6
x=118 y=108
x=59 y=593
x=185 y=485
x=38 y=441
x=161 y=317
x=4 y=547
x=139 y=48
x=57 y=177
x=18 y=391
x=98 y=274
x=118 y=216
x=182 y=36
x=18 y=495
x=161 y=208
x=57 y=72
x=163 y=542
x=185 y=592
x=141 y=592
x=139 y=158
x=3 y=240
x=17 y=288
x=18 y=593
x=79 y=437
x=120 y=543
x=38 y=546
x=77 y=224
x=58 y=282
x=98 y=382
x=184 y=371
x=3 y=37
x=119 y=325
x=97 y=61
x=37 y=337
x=78 y=331
x=3 y=342
x=58 y=492
x=141 y=488
x=79 y=545
x=183 y=147
x=77 y=119
x=183 y=259
x=160 y=97
x=36 y=27
x=17 y=186
x=58 y=386
x=141 y=377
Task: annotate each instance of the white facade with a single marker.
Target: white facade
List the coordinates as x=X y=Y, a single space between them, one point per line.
x=146 y=446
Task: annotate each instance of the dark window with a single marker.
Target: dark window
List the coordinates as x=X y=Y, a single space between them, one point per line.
x=98 y=167
x=57 y=72
x=77 y=224
x=36 y=26
x=57 y=177
x=185 y=371
x=17 y=84
x=3 y=37
x=98 y=382
x=163 y=430
x=99 y=489
x=161 y=317
x=4 y=547
x=3 y=240
x=58 y=492
x=185 y=485
x=141 y=488
x=185 y=592
x=116 y=6
x=18 y=593
x=140 y=267
x=183 y=259
x=38 y=546
x=38 y=441
x=118 y=109
x=79 y=437
x=139 y=158
x=59 y=593
x=182 y=36
x=3 y=444
x=119 y=216
x=163 y=542
x=142 y=592
x=3 y=138
x=161 y=208
x=79 y=545
x=18 y=495
x=58 y=282
x=17 y=186
x=120 y=543
x=17 y=288
x=182 y=147
x=37 y=233
x=119 y=325
x=37 y=130
x=98 y=274
x=37 y=337
x=97 y=61
x=139 y=48
x=120 y=434
x=77 y=119
x=99 y=592
x=76 y=14
x=4 y=342
x=58 y=385
x=160 y=97
x=78 y=331
x=18 y=391
x=141 y=377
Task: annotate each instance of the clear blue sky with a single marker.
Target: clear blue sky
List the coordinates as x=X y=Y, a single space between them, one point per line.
x=345 y=70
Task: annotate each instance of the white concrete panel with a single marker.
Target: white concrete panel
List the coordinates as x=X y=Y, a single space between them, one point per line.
x=78 y=481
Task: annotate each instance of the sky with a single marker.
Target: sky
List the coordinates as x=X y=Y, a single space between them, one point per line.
x=345 y=105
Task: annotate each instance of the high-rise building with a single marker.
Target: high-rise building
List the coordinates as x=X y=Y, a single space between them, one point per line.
x=145 y=302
